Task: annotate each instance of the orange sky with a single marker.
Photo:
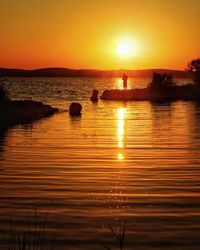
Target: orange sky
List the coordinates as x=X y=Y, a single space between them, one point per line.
x=86 y=33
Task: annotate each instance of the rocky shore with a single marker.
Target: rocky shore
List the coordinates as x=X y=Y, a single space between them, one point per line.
x=172 y=93
x=22 y=112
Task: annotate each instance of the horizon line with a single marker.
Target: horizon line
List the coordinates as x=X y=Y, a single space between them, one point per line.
x=32 y=69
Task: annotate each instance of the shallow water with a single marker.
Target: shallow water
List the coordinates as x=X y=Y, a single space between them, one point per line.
x=135 y=164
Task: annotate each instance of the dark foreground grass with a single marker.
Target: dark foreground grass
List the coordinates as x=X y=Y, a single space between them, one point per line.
x=119 y=236
x=32 y=237
x=35 y=235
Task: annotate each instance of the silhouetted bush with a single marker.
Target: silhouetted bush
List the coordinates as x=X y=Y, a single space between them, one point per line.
x=194 y=66
x=3 y=94
x=161 y=82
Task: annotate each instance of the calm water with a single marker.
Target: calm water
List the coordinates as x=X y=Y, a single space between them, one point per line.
x=135 y=164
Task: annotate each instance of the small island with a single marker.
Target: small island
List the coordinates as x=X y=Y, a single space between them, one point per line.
x=161 y=88
x=21 y=112
x=173 y=93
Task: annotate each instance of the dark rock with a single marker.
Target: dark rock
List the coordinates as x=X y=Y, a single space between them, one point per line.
x=25 y=111
x=94 y=97
x=171 y=93
x=125 y=95
x=3 y=94
x=75 y=109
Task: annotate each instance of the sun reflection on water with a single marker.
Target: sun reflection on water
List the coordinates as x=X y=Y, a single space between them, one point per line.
x=120 y=156
x=121 y=131
x=119 y=83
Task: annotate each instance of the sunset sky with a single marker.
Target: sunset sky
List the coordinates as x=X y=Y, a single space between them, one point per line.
x=99 y=33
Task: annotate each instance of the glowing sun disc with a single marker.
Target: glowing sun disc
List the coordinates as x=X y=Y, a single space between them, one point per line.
x=123 y=49
x=127 y=48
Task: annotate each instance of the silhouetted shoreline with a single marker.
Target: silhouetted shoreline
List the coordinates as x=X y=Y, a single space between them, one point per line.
x=173 y=93
x=21 y=112
x=65 y=72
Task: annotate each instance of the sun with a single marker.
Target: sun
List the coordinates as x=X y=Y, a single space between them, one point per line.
x=123 y=49
x=126 y=48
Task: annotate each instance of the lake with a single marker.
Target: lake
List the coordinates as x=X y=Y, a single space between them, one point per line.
x=121 y=164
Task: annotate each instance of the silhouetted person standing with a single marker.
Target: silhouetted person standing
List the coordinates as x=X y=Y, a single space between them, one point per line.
x=125 y=79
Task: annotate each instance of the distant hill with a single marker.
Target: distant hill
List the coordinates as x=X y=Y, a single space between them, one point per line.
x=64 y=72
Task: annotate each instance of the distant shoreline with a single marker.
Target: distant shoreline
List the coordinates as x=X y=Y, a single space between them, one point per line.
x=65 y=72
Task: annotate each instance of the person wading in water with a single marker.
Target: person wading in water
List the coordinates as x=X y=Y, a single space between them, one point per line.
x=125 y=79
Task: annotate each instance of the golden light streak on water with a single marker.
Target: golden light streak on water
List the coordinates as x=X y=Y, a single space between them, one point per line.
x=119 y=83
x=120 y=156
x=121 y=127
x=121 y=113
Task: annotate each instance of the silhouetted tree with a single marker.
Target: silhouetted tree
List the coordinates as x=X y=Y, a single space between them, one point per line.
x=161 y=82
x=194 y=66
